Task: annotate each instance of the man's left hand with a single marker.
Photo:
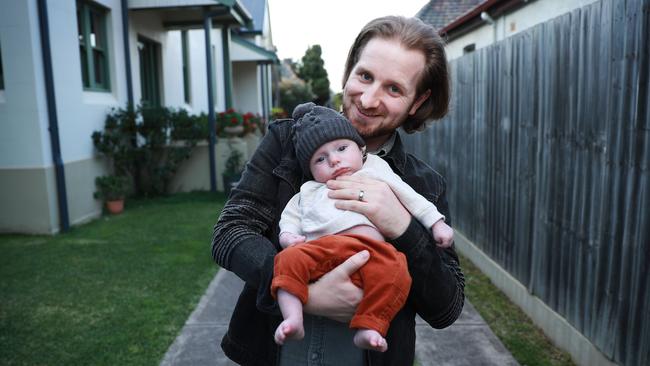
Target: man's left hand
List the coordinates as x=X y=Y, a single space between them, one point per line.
x=373 y=199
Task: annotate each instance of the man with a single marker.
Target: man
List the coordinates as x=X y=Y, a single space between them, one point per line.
x=396 y=76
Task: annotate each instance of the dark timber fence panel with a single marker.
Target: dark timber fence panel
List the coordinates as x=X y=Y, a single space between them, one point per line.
x=546 y=152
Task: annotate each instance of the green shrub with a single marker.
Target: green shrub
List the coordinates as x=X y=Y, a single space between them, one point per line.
x=111 y=187
x=148 y=144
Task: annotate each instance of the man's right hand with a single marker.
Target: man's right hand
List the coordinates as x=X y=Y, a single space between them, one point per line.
x=334 y=296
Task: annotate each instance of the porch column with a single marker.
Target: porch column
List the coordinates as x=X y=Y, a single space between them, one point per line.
x=207 y=27
x=227 y=67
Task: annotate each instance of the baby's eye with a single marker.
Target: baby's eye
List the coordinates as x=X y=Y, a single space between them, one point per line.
x=319 y=159
x=343 y=147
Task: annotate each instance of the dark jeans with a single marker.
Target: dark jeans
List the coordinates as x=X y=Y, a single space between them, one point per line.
x=326 y=343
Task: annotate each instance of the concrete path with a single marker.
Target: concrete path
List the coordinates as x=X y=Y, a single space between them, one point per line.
x=469 y=342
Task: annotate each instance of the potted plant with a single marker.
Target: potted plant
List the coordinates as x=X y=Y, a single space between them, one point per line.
x=233 y=169
x=230 y=123
x=112 y=189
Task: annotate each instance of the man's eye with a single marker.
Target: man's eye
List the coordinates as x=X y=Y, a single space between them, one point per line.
x=366 y=76
x=394 y=89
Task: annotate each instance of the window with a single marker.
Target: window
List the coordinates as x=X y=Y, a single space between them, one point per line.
x=186 y=66
x=2 y=74
x=93 y=46
x=149 y=53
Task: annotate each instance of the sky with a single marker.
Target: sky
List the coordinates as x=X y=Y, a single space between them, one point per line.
x=332 y=24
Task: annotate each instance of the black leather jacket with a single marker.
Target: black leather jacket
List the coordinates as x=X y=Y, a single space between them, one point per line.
x=245 y=241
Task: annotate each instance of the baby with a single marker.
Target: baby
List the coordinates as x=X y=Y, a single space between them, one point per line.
x=317 y=236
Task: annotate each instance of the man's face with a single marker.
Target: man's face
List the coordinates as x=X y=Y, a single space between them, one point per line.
x=335 y=158
x=380 y=92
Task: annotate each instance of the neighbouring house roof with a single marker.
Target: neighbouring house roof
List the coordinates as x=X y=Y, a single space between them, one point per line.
x=286 y=72
x=439 y=13
x=442 y=14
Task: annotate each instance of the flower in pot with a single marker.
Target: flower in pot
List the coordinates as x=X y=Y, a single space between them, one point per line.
x=230 y=123
x=112 y=189
x=252 y=123
x=233 y=169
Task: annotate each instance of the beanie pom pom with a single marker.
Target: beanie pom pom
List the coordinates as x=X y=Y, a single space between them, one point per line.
x=302 y=109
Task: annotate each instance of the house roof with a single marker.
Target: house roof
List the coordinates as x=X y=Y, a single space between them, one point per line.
x=189 y=14
x=244 y=50
x=256 y=9
x=439 y=13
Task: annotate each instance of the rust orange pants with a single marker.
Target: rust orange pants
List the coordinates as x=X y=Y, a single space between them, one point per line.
x=384 y=278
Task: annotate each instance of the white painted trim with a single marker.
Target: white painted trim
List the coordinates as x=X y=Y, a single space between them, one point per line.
x=105 y=98
x=556 y=327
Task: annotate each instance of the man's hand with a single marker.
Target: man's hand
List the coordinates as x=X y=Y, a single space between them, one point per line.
x=334 y=296
x=379 y=204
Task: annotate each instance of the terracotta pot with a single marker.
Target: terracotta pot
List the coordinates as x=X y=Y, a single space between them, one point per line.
x=115 y=207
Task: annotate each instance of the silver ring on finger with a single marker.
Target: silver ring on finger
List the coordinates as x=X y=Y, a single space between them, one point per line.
x=361 y=194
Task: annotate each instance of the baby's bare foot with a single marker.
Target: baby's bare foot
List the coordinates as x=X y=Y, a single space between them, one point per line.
x=290 y=328
x=370 y=339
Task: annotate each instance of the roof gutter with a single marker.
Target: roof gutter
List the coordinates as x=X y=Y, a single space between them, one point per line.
x=62 y=198
x=496 y=6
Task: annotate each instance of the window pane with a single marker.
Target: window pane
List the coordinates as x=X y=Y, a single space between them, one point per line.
x=84 y=66
x=100 y=68
x=97 y=29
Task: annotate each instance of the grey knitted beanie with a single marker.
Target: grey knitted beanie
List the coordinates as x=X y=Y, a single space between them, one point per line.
x=314 y=126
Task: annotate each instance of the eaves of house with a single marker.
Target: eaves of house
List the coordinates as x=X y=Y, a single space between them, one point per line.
x=483 y=12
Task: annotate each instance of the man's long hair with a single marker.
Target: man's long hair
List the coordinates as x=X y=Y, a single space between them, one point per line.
x=413 y=34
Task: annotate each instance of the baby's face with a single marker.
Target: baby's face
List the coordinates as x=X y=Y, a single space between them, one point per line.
x=334 y=159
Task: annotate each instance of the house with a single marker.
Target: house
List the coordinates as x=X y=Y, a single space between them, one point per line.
x=65 y=64
x=468 y=25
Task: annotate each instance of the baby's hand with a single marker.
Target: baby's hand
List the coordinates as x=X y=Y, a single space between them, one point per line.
x=442 y=234
x=288 y=239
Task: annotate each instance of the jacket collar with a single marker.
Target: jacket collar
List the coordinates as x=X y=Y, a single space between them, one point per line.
x=396 y=157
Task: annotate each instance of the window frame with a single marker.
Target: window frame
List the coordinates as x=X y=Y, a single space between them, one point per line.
x=86 y=12
x=2 y=73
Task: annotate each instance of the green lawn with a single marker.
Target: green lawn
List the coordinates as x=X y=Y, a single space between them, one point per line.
x=113 y=292
x=526 y=342
x=118 y=290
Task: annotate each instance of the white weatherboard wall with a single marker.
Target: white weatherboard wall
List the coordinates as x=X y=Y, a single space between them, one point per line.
x=24 y=142
x=246 y=87
x=27 y=184
x=532 y=13
x=198 y=71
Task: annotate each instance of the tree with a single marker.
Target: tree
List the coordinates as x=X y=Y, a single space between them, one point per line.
x=312 y=70
x=294 y=92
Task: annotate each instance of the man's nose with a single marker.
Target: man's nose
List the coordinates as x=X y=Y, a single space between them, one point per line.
x=370 y=97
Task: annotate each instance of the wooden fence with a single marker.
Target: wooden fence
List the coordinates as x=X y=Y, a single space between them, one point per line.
x=546 y=153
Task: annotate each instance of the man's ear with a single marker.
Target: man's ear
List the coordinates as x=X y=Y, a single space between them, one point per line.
x=418 y=102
